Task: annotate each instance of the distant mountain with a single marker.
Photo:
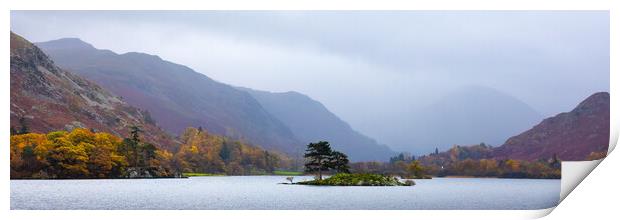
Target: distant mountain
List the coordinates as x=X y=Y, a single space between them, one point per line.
x=468 y=116
x=571 y=135
x=47 y=98
x=176 y=96
x=310 y=121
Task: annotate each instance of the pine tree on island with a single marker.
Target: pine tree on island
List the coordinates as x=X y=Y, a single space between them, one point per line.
x=320 y=157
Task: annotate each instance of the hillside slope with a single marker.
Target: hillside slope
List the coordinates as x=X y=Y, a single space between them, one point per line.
x=46 y=98
x=571 y=135
x=310 y=121
x=175 y=95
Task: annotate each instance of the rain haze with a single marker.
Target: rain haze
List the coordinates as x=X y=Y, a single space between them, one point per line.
x=374 y=69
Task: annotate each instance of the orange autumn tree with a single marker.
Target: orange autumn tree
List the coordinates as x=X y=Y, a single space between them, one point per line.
x=60 y=154
x=82 y=153
x=28 y=154
x=207 y=153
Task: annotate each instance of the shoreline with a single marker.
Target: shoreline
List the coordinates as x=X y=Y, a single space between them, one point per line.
x=479 y=177
x=187 y=177
x=493 y=177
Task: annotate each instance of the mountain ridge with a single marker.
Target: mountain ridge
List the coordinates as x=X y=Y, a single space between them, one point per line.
x=572 y=135
x=176 y=96
x=47 y=98
x=146 y=81
x=311 y=121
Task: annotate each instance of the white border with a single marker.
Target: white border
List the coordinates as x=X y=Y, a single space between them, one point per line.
x=295 y=5
x=314 y=5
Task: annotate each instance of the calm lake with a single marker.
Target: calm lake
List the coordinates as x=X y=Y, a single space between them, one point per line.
x=263 y=192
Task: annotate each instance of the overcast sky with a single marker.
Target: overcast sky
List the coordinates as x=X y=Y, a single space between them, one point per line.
x=365 y=66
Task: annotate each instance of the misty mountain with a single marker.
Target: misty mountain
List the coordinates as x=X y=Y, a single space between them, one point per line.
x=178 y=97
x=175 y=96
x=46 y=98
x=570 y=135
x=467 y=116
x=310 y=121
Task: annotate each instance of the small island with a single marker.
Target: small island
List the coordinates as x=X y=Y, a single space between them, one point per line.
x=321 y=158
x=358 y=179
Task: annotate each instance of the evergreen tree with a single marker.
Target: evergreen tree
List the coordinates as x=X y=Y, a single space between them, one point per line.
x=135 y=142
x=135 y=133
x=225 y=151
x=318 y=157
x=339 y=162
x=126 y=150
x=148 y=153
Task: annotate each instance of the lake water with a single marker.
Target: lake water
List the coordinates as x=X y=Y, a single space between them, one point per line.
x=263 y=192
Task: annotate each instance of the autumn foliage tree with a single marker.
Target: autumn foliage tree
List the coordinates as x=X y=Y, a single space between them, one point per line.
x=206 y=153
x=80 y=153
x=60 y=154
x=476 y=160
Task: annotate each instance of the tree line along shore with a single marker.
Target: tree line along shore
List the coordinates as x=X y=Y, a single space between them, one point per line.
x=83 y=153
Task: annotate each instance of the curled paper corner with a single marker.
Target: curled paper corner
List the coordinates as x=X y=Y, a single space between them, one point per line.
x=614 y=129
x=574 y=172
x=540 y=213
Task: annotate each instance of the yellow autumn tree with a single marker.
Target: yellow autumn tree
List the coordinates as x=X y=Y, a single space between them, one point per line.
x=27 y=154
x=203 y=152
x=60 y=154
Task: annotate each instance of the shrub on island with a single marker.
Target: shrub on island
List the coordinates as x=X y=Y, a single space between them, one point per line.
x=358 y=179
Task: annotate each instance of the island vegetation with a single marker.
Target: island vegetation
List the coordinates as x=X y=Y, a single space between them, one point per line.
x=321 y=158
x=358 y=179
